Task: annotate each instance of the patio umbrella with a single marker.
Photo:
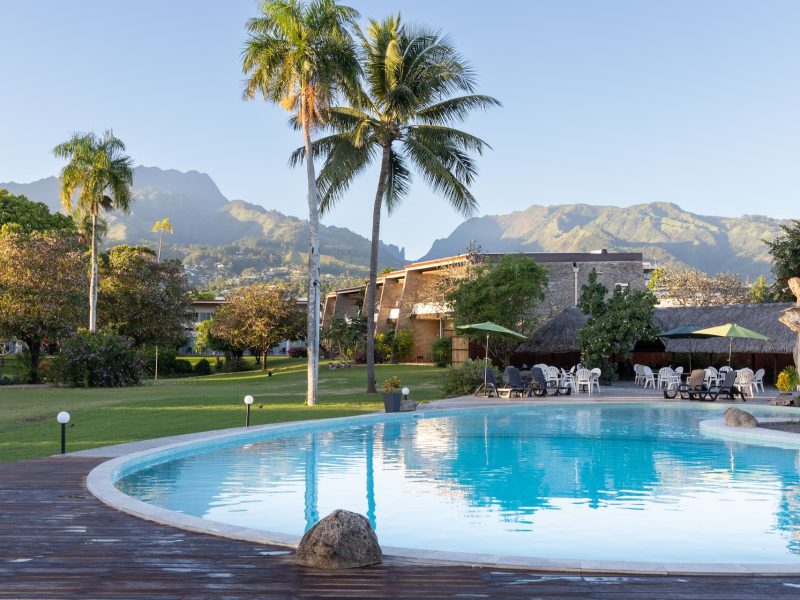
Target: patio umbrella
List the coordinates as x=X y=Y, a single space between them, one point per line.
x=730 y=331
x=489 y=328
x=685 y=332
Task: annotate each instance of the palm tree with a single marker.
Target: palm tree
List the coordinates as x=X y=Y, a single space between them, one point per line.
x=302 y=56
x=162 y=226
x=417 y=88
x=100 y=173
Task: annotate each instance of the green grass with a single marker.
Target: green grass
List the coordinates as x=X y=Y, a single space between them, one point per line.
x=28 y=428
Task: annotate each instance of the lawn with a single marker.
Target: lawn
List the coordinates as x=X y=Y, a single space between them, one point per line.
x=28 y=428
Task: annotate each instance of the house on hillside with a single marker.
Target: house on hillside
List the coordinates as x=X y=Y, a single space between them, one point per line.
x=408 y=298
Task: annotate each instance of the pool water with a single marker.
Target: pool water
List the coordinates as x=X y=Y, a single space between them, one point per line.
x=629 y=482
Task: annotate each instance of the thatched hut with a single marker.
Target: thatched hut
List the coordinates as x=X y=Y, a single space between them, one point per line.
x=555 y=342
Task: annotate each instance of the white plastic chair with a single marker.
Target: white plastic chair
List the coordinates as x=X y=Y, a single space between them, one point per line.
x=583 y=378
x=712 y=377
x=665 y=375
x=679 y=370
x=596 y=372
x=758 y=380
x=725 y=369
x=638 y=374
x=647 y=374
x=744 y=381
x=552 y=375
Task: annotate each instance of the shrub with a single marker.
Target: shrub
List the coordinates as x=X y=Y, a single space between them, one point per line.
x=103 y=359
x=403 y=345
x=203 y=367
x=4 y=380
x=182 y=367
x=391 y=384
x=465 y=379
x=442 y=351
x=235 y=364
x=788 y=379
x=298 y=352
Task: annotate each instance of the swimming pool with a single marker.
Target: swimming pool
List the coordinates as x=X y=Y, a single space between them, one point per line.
x=608 y=482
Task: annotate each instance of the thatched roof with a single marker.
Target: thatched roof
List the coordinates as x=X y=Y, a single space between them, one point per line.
x=557 y=334
x=762 y=318
x=560 y=333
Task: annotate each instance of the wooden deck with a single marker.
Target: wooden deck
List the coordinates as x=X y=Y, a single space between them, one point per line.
x=58 y=541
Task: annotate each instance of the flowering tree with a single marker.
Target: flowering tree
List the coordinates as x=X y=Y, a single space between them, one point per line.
x=42 y=286
x=689 y=287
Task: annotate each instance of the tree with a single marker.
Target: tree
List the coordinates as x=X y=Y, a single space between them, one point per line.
x=689 y=287
x=30 y=216
x=162 y=226
x=593 y=295
x=403 y=119
x=615 y=327
x=143 y=299
x=101 y=175
x=785 y=252
x=759 y=291
x=42 y=286
x=505 y=291
x=258 y=317
x=302 y=56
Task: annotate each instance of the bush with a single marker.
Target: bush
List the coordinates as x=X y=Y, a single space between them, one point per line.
x=442 y=351
x=103 y=359
x=464 y=380
x=297 y=352
x=235 y=364
x=203 y=367
x=182 y=367
x=4 y=380
x=788 y=379
x=403 y=345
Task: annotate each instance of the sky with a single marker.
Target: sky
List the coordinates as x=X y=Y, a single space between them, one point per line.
x=695 y=102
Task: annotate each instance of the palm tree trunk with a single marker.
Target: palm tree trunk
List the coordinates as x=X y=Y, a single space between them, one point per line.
x=160 y=238
x=373 y=269
x=93 y=277
x=312 y=338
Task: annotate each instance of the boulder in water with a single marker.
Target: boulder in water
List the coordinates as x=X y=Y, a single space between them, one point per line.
x=736 y=417
x=342 y=540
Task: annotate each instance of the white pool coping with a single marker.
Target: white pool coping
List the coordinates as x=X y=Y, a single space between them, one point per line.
x=100 y=482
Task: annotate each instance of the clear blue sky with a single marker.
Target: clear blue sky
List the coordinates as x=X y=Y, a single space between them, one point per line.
x=694 y=102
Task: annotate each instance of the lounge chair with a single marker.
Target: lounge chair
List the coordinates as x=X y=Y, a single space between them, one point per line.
x=726 y=388
x=693 y=389
x=491 y=385
x=540 y=386
x=515 y=384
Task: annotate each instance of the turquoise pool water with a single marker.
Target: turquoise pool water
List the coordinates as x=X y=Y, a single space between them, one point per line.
x=633 y=482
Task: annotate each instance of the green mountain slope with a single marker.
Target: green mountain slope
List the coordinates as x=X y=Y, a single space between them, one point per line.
x=663 y=232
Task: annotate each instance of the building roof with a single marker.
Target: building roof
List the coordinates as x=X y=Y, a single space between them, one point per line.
x=560 y=333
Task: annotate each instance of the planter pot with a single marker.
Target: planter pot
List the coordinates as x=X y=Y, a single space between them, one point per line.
x=785 y=399
x=391 y=402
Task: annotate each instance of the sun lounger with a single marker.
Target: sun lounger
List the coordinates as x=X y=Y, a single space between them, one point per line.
x=540 y=386
x=515 y=384
x=726 y=388
x=491 y=385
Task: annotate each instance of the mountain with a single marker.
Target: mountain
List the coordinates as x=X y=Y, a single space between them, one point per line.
x=203 y=217
x=663 y=232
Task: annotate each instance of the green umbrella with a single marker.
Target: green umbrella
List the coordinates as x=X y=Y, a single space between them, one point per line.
x=685 y=332
x=489 y=328
x=730 y=331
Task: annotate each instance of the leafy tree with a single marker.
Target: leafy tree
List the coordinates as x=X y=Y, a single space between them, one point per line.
x=505 y=291
x=162 y=226
x=29 y=216
x=417 y=88
x=759 y=291
x=347 y=334
x=101 y=175
x=689 y=287
x=613 y=329
x=42 y=286
x=206 y=340
x=302 y=56
x=785 y=252
x=593 y=295
x=258 y=317
x=141 y=298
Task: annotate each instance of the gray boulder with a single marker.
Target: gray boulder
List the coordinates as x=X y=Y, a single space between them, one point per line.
x=342 y=540
x=408 y=405
x=735 y=417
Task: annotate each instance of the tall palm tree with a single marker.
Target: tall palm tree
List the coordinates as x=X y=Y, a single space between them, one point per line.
x=417 y=88
x=162 y=226
x=100 y=172
x=301 y=56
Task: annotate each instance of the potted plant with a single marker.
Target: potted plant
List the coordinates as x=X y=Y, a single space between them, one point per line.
x=391 y=395
x=788 y=381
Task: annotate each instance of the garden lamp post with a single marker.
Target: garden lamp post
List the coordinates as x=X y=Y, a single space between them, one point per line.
x=63 y=419
x=405 y=392
x=248 y=401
